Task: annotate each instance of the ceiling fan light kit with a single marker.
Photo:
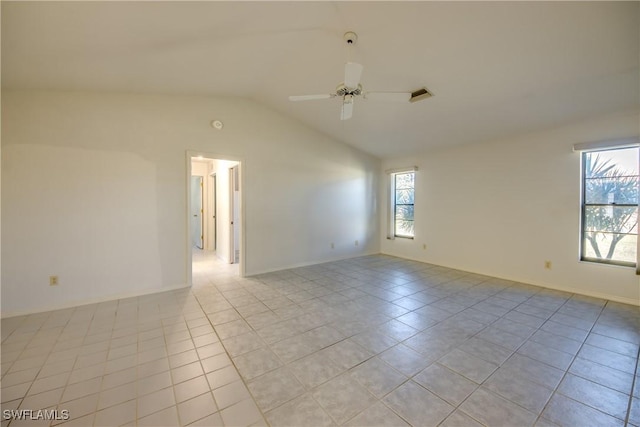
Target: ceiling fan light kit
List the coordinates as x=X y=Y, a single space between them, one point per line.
x=351 y=88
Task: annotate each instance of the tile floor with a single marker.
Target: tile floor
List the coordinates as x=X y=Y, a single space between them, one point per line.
x=369 y=341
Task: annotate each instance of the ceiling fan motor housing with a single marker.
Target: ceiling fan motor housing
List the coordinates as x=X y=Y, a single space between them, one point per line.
x=342 y=90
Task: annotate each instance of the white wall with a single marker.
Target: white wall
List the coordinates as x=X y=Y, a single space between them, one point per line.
x=94 y=191
x=503 y=208
x=199 y=168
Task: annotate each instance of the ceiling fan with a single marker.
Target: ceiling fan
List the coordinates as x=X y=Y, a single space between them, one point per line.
x=351 y=88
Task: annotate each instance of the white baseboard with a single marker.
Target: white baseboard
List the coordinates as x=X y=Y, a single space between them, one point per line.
x=599 y=295
x=77 y=303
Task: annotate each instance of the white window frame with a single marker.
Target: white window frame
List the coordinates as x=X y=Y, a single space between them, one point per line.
x=594 y=147
x=391 y=202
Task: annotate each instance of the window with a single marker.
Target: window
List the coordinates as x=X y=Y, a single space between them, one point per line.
x=610 y=206
x=401 y=212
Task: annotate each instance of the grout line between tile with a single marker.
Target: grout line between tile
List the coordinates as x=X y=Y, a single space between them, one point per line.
x=633 y=384
x=228 y=355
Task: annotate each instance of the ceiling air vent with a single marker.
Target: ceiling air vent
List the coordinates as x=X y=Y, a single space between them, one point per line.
x=420 y=94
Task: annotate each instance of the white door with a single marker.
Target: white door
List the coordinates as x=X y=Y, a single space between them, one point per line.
x=197 y=237
x=234 y=214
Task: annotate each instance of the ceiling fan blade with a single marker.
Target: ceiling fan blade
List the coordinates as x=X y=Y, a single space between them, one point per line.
x=388 y=96
x=310 y=97
x=352 y=74
x=347 y=108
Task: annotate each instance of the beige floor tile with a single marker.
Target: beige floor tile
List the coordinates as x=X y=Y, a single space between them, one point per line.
x=153 y=383
x=353 y=341
x=186 y=372
x=377 y=415
x=446 y=384
x=213 y=420
x=417 y=405
x=275 y=388
x=343 y=398
x=164 y=418
x=243 y=413
x=116 y=395
x=314 y=370
x=302 y=411
x=197 y=408
x=191 y=388
x=155 y=402
x=80 y=389
x=491 y=409
x=44 y=400
x=377 y=376
x=231 y=394
x=82 y=406
x=116 y=415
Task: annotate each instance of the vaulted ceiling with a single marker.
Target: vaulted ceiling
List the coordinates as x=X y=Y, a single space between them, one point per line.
x=496 y=68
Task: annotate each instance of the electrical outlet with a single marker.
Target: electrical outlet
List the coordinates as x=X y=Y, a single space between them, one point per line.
x=332 y=245
x=357 y=243
x=53 y=280
x=547 y=265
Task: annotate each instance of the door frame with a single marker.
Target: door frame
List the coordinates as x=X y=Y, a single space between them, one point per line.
x=187 y=209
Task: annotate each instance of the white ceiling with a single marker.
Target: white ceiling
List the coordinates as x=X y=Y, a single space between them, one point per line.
x=496 y=68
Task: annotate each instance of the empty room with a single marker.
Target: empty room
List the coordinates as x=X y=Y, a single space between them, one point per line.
x=320 y=213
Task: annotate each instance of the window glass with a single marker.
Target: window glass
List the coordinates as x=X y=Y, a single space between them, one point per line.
x=403 y=205
x=610 y=206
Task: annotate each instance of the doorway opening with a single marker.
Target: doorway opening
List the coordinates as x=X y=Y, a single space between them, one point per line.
x=215 y=218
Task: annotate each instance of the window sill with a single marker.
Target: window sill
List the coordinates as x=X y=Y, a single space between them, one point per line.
x=607 y=264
